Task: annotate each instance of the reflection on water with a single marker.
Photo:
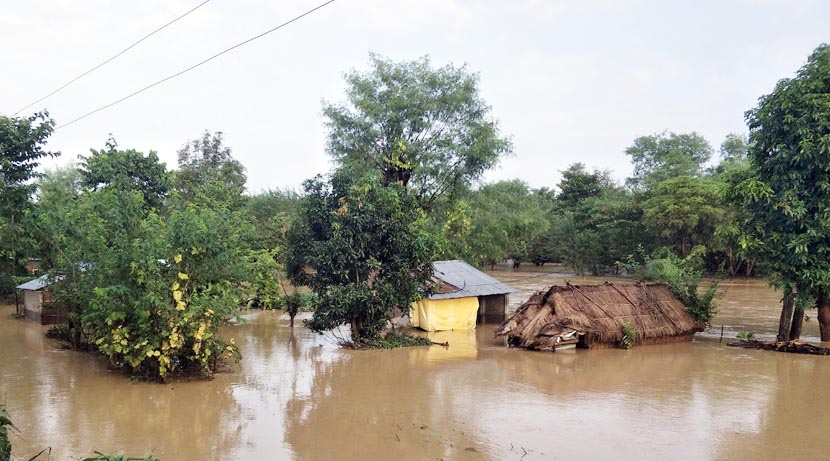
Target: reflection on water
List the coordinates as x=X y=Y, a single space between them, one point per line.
x=297 y=396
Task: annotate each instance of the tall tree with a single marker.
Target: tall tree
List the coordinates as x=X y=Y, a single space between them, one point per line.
x=208 y=174
x=506 y=218
x=127 y=170
x=362 y=248
x=790 y=197
x=684 y=211
x=415 y=125
x=578 y=184
x=734 y=148
x=663 y=156
x=21 y=151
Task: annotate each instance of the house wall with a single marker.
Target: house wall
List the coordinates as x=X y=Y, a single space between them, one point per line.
x=494 y=308
x=33 y=304
x=444 y=314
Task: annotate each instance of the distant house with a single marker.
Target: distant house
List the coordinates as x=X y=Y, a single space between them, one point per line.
x=465 y=295
x=35 y=294
x=593 y=316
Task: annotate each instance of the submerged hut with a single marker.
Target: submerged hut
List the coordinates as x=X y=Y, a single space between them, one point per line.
x=594 y=315
x=37 y=301
x=463 y=296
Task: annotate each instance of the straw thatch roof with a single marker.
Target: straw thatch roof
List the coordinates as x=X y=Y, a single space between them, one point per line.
x=593 y=315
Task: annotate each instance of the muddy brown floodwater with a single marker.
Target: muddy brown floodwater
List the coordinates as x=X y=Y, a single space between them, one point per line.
x=295 y=395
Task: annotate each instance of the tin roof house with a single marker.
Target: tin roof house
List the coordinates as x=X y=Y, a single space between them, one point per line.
x=35 y=295
x=463 y=297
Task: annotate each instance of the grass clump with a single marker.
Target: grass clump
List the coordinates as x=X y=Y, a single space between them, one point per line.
x=392 y=341
x=629 y=336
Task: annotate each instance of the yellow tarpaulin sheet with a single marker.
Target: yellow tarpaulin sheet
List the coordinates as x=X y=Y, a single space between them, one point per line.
x=444 y=314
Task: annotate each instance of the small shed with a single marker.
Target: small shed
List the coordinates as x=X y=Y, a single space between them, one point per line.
x=464 y=296
x=35 y=294
x=593 y=316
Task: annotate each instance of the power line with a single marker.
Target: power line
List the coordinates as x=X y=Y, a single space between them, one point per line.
x=296 y=18
x=112 y=58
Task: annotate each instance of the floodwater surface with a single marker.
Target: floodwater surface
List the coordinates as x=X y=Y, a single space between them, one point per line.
x=295 y=395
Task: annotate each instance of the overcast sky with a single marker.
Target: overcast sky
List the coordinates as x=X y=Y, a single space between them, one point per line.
x=567 y=81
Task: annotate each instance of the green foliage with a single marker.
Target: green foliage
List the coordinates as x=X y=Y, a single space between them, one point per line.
x=788 y=198
x=594 y=224
x=150 y=292
x=293 y=304
x=415 y=125
x=663 y=156
x=22 y=141
x=127 y=170
x=264 y=280
x=684 y=211
x=683 y=277
x=5 y=424
x=578 y=184
x=362 y=248
x=271 y=212
x=158 y=310
x=395 y=340
x=208 y=175
x=745 y=335
x=738 y=238
x=629 y=336
x=21 y=150
x=505 y=218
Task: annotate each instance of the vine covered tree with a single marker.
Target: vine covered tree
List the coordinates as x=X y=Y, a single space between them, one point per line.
x=415 y=125
x=790 y=196
x=364 y=250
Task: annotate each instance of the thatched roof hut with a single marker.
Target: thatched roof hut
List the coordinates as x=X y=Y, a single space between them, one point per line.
x=594 y=315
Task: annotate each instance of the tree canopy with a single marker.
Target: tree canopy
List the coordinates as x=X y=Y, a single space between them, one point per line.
x=21 y=150
x=127 y=170
x=415 y=125
x=364 y=250
x=662 y=156
x=208 y=174
x=790 y=196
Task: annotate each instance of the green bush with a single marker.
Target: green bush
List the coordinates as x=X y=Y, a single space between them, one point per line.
x=629 y=336
x=683 y=277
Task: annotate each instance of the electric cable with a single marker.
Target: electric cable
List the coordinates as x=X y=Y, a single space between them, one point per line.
x=112 y=58
x=205 y=61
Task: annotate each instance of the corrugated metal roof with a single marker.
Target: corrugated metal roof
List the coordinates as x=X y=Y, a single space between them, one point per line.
x=469 y=280
x=41 y=282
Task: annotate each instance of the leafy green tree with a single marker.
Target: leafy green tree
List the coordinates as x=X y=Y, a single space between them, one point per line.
x=659 y=157
x=208 y=174
x=734 y=149
x=578 y=184
x=735 y=238
x=22 y=149
x=684 y=211
x=790 y=196
x=506 y=218
x=161 y=292
x=272 y=211
x=148 y=292
x=127 y=170
x=362 y=248
x=415 y=125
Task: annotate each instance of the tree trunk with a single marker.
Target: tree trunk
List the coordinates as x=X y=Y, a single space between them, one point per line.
x=823 y=306
x=798 y=321
x=785 y=323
